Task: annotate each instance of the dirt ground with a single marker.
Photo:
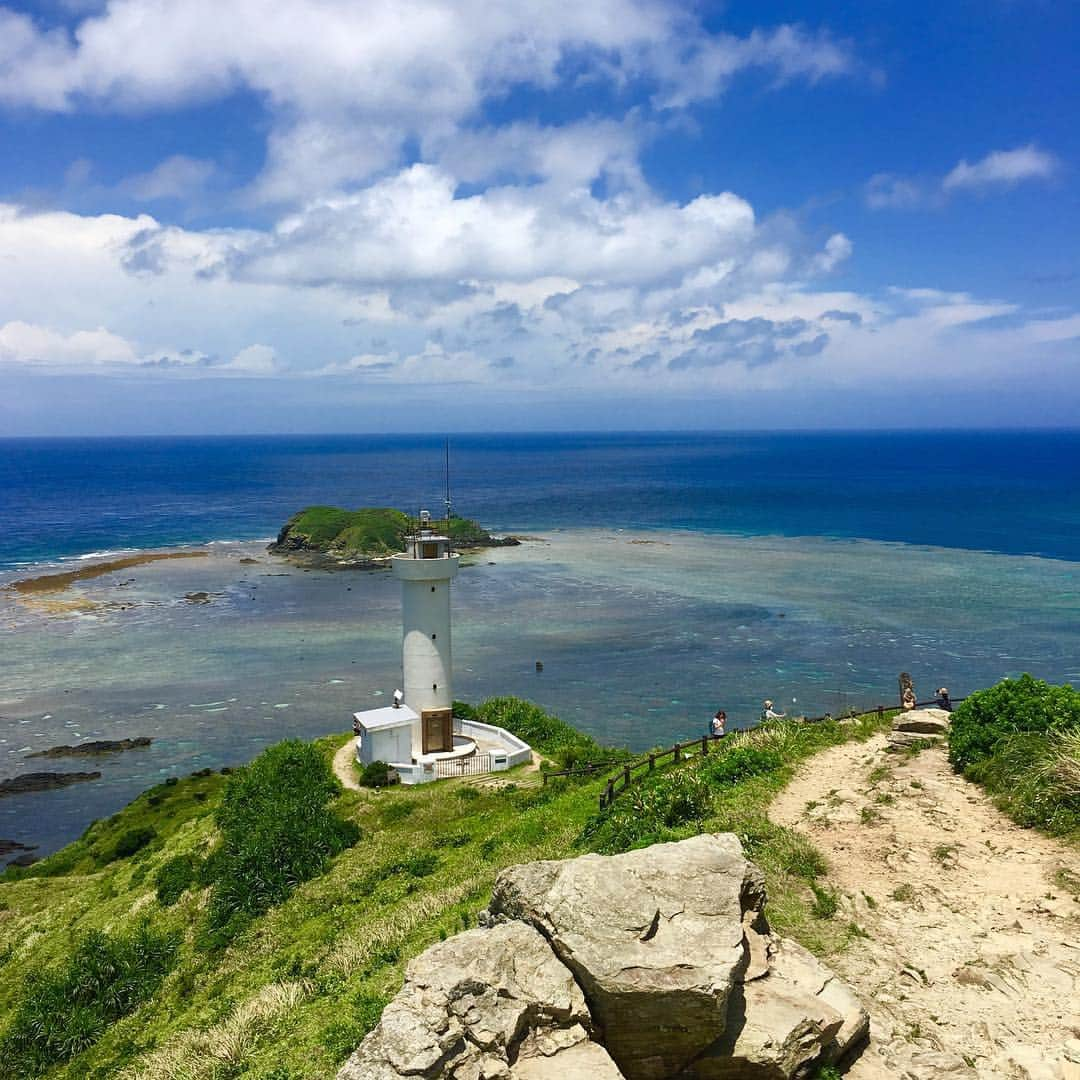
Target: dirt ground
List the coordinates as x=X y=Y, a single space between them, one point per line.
x=970 y=966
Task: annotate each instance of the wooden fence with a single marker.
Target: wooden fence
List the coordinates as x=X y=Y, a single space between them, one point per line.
x=629 y=772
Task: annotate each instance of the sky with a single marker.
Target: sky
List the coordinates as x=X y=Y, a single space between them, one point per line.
x=241 y=216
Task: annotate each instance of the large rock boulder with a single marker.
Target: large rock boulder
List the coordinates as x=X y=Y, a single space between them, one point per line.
x=660 y=958
x=781 y=1024
x=654 y=937
x=483 y=1005
x=923 y=722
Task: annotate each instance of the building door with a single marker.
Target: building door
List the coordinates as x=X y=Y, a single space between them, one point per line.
x=437 y=726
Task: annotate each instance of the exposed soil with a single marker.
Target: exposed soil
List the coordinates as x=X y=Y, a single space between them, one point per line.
x=971 y=963
x=343 y=766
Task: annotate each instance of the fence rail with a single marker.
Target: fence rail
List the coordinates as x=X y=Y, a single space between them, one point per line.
x=473 y=765
x=632 y=771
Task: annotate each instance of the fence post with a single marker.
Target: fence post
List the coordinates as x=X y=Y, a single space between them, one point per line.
x=626 y=777
x=652 y=762
x=543 y=782
x=880 y=711
x=704 y=745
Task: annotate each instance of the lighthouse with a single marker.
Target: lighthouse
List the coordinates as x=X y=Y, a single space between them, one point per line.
x=416 y=736
x=425 y=569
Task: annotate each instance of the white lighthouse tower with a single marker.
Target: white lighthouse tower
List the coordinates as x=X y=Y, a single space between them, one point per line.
x=425 y=569
x=415 y=736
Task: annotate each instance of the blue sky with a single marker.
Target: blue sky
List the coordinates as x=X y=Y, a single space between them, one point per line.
x=317 y=215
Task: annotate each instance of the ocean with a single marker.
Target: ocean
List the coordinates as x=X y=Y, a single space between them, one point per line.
x=667 y=575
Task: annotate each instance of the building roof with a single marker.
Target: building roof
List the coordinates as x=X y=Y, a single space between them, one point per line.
x=388 y=717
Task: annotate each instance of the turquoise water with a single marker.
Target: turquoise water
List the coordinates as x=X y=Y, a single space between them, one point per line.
x=642 y=634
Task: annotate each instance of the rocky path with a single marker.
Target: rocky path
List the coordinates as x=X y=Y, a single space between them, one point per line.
x=971 y=966
x=343 y=766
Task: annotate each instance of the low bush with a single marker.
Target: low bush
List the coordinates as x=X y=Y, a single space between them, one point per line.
x=1020 y=739
x=65 y=1010
x=546 y=734
x=276 y=831
x=739 y=764
x=1012 y=707
x=175 y=876
x=376 y=774
x=129 y=842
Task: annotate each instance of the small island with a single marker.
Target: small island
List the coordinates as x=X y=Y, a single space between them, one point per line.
x=366 y=538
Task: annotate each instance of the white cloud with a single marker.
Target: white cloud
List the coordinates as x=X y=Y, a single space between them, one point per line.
x=38 y=346
x=889 y=191
x=837 y=249
x=348 y=86
x=177 y=177
x=410 y=228
x=1002 y=168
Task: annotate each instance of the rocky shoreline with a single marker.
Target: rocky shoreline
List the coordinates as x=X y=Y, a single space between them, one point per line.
x=93 y=749
x=43 y=781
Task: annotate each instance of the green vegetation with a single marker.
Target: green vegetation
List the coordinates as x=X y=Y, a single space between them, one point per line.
x=548 y=735
x=67 y=1009
x=376 y=774
x=369 y=533
x=1020 y=739
x=276 y=832
x=286 y=942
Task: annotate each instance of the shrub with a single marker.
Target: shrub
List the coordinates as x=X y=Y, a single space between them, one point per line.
x=1033 y=779
x=740 y=764
x=276 y=831
x=1012 y=707
x=650 y=813
x=377 y=774
x=66 y=1010
x=130 y=841
x=174 y=877
x=545 y=733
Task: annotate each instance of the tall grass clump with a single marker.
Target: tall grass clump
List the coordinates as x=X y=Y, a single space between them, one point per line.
x=1020 y=740
x=277 y=830
x=67 y=1009
x=545 y=733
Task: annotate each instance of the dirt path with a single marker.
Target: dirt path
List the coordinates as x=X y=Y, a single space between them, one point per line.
x=971 y=966
x=343 y=766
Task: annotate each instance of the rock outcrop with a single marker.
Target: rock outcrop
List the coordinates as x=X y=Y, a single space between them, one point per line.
x=484 y=1004
x=918 y=726
x=654 y=965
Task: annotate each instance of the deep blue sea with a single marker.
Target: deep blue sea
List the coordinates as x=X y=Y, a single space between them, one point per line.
x=1012 y=492
x=668 y=575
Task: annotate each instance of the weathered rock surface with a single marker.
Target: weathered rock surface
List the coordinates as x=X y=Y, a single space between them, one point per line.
x=93 y=749
x=902 y=740
x=485 y=1004
x=797 y=1014
x=660 y=958
x=923 y=721
x=43 y=781
x=654 y=937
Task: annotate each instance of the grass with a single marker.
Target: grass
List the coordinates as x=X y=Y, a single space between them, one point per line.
x=371 y=532
x=1020 y=740
x=297 y=987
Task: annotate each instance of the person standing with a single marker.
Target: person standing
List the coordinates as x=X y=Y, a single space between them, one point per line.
x=769 y=713
x=716 y=725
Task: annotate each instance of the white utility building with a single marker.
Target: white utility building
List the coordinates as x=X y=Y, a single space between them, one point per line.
x=418 y=735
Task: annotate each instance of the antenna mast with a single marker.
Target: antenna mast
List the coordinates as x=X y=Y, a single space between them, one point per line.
x=448 y=503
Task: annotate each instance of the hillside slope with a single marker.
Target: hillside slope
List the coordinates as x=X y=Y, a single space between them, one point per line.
x=292 y=994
